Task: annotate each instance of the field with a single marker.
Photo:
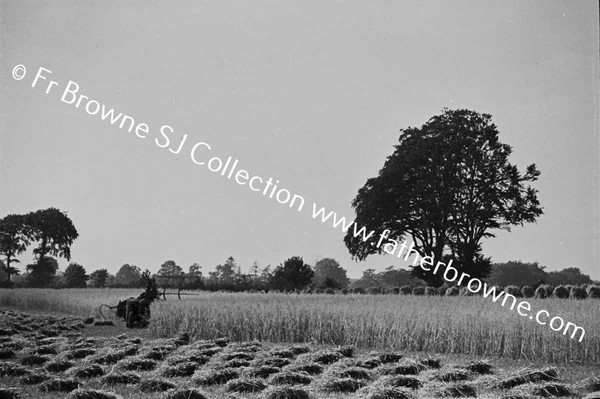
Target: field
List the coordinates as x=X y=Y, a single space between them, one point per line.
x=273 y=345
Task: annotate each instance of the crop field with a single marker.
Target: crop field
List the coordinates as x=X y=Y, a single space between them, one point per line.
x=232 y=345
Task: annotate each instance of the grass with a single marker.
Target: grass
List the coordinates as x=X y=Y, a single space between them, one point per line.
x=454 y=325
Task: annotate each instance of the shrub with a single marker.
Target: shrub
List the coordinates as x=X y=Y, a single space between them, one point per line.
x=395 y=290
x=406 y=290
x=418 y=291
x=358 y=290
x=345 y=291
x=527 y=291
x=561 y=292
x=452 y=291
x=374 y=290
x=578 y=293
x=329 y=291
x=541 y=292
x=514 y=291
x=431 y=291
x=593 y=291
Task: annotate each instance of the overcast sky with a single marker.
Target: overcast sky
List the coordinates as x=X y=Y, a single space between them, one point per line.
x=310 y=93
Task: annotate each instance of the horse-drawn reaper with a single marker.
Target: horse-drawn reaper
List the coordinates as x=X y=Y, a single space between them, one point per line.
x=136 y=311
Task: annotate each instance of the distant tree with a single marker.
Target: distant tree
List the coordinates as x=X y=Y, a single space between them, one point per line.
x=53 y=231
x=329 y=268
x=194 y=270
x=15 y=236
x=448 y=185
x=392 y=277
x=254 y=269
x=568 y=276
x=98 y=278
x=170 y=268
x=75 y=276
x=517 y=273
x=128 y=276
x=292 y=274
x=224 y=275
x=42 y=272
x=368 y=279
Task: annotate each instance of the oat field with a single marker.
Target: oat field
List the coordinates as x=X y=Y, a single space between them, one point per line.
x=452 y=325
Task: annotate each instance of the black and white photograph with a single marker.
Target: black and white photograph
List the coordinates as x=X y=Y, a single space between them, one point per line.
x=228 y=199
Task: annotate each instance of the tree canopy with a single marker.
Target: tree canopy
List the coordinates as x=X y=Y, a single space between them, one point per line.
x=15 y=236
x=75 y=276
x=53 y=231
x=293 y=274
x=329 y=274
x=448 y=185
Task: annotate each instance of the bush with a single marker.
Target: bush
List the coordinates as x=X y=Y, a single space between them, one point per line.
x=374 y=290
x=527 y=291
x=418 y=291
x=394 y=290
x=358 y=290
x=578 y=293
x=561 y=292
x=430 y=291
x=541 y=292
x=405 y=290
x=452 y=291
x=329 y=291
x=514 y=291
x=593 y=291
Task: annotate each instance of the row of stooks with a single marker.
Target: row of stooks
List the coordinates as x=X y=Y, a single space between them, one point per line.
x=543 y=291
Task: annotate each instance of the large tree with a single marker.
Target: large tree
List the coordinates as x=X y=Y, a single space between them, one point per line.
x=291 y=275
x=53 y=231
x=329 y=268
x=448 y=185
x=15 y=236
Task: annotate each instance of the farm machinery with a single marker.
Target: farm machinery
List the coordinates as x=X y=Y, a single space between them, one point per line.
x=136 y=311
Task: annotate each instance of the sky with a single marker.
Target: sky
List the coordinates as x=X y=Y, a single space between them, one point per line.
x=312 y=94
